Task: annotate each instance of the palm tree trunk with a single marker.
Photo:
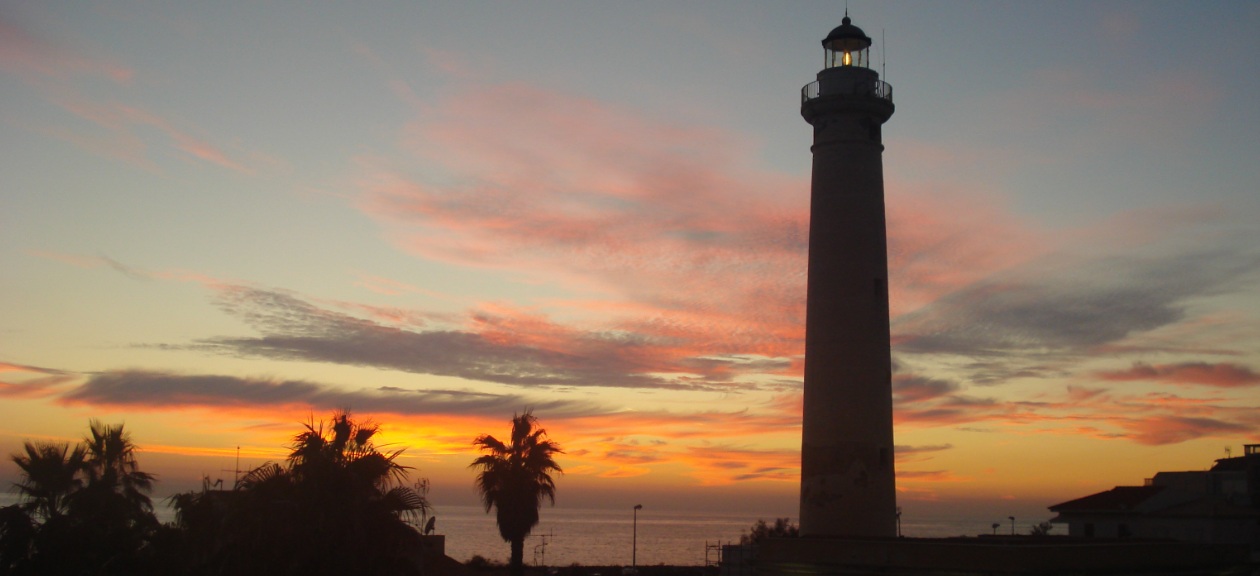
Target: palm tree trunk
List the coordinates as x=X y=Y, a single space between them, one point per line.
x=516 y=565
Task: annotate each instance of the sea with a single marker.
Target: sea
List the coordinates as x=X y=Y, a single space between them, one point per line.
x=601 y=537
x=608 y=537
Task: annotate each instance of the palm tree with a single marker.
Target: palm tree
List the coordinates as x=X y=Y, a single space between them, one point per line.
x=86 y=508
x=111 y=465
x=514 y=478
x=339 y=506
x=112 y=514
x=50 y=474
x=361 y=490
x=17 y=539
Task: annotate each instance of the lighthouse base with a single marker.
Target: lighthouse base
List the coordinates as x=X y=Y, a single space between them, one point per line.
x=984 y=555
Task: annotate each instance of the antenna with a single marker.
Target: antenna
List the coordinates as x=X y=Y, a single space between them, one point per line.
x=883 y=56
x=236 y=474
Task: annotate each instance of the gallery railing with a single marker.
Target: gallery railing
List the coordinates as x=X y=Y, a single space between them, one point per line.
x=876 y=88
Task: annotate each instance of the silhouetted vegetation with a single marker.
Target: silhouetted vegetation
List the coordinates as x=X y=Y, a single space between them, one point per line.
x=513 y=480
x=782 y=528
x=479 y=562
x=83 y=509
x=1042 y=529
x=339 y=505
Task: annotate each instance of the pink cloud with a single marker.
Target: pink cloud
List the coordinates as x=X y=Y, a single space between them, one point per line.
x=57 y=70
x=1221 y=375
x=945 y=234
x=909 y=388
x=121 y=122
x=31 y=381
x=672 y=228
x=29 y=55
x=1170 y=429
x=672 y=235
x=1080 y=394
x=551 y=186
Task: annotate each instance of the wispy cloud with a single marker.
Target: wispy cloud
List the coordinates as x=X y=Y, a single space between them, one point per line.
x=1142 y=417
x=497 y=346
x=1170 y=429
x=1055 y=310
x=62 y=72
x=34 y=56
x=1222 y=375
x=21 y=381
x=570 y=191
x=164 y=390
x=116 y=131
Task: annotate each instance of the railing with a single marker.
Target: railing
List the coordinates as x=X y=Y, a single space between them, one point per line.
x=876 y=88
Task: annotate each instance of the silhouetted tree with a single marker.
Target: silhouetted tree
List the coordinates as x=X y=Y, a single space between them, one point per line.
x=782 y=528
x=17 y=539
x=514 y=478
x=111 y=465
x=1041 y=529
x=339 y=506
x=86 y=509
x=51 y=472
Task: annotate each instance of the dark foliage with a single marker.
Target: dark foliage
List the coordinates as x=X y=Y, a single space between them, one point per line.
x=782 y=528
x=83 y=509
x=514 y=479
x=339 y=505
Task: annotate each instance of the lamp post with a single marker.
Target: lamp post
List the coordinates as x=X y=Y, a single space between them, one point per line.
x=634 y=544
x=1012 y=525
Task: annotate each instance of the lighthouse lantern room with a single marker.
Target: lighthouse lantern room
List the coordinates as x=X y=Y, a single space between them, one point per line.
x=847 y=45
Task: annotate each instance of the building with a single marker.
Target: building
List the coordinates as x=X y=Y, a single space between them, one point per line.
x=847 y=482
x=1217 y=506
x=848 y=513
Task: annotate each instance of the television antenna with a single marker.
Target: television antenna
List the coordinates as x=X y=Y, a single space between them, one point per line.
x=540 y=551
x=236 y=473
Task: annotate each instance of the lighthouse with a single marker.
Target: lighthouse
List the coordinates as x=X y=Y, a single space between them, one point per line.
x=847 y=484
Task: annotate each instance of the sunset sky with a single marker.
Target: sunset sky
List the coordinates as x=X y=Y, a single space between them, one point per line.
x=219 y=219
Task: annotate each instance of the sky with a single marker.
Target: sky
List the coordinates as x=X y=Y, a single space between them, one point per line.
x=220 y=220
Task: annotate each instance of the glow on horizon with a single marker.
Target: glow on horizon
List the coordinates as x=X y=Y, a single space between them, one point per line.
x=216 y=224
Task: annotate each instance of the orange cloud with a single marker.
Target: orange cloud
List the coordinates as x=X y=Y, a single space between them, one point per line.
x=32 y=381
x=1169 y=429
x=928 y=476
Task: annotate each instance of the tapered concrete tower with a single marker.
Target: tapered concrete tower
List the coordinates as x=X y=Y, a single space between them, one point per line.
x=847 y=483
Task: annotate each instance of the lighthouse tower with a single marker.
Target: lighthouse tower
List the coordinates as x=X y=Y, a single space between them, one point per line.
x=847 y=483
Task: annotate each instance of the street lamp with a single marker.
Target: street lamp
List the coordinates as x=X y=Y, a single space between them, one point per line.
x=1012 y=525
x=634 y=546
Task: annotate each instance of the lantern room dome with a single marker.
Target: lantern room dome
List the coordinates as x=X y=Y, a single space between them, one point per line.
x=846 y=38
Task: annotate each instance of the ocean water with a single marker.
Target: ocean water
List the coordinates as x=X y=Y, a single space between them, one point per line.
x=595 y=537
x=601 y=537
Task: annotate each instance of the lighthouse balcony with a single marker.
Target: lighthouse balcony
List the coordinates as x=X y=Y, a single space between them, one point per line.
x=871 y=87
